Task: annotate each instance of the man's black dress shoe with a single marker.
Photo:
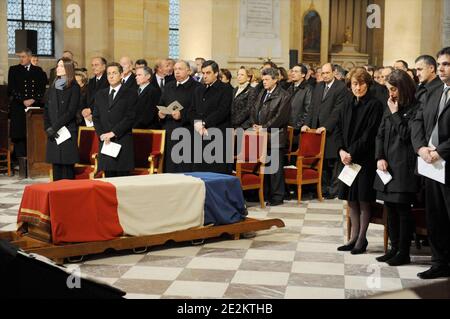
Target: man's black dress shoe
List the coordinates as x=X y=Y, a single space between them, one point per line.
x=435 y=272
x=276 y=203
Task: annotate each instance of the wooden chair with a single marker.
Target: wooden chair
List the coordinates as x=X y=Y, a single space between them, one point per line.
x=290 y=151
x=308 y=169
x=5 y=146
x=88 y=147
x=5 y=160
x=379 y=217
x=250 y=163
x=148 y=151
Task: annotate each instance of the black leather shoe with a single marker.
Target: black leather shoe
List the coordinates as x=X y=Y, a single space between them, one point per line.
x=435 y=272
x=399 y=260
x=276 y=203
x=390 y=254
x=361 y=250
x=348 y=247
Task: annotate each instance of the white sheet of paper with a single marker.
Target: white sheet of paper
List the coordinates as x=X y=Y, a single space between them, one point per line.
x=385 y=177
x=89 y=123
x=32 y=108
x=112 y=149
x=349 y=173
x=435 y=171
x=174 y=106
x=64 y=135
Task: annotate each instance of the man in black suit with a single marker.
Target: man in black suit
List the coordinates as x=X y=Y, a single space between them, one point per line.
x=161 y=76
x=327 y=101
x=148 y=98
x=97 y=83
x=181 y=90
x=26 y=88
x=128 y=78
x=301 y=94
x=426 y=67
x=271 y=111
x=431 y=140
x=114 y=113
x=211 y=109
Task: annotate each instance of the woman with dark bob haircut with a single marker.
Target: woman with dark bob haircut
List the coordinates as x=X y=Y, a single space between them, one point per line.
x=356 y=131
x=395 y=155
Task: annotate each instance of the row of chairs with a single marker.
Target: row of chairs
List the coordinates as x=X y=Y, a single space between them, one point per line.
x=148 y=159
x=307 y=171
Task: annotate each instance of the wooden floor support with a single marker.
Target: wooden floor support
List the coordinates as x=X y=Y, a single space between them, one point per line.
x=60 y=252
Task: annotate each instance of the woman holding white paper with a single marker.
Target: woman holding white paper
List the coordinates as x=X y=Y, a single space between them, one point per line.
x=395 y=155
x=60 y=121
x=356 y=131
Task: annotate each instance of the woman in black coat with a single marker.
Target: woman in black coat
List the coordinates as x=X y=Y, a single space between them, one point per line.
x=356 y=131
x=60 y=111
x=395 y=154
x=243 y=100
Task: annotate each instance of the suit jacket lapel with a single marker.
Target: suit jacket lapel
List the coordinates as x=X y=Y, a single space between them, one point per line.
x=118 y=95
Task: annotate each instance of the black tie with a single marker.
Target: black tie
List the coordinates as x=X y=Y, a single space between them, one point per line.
x=139 y=91
x=111 y=97
x=266 y=97
x=325 y=92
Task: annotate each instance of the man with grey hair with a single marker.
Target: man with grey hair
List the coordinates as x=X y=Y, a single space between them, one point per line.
x=271 y=111
x=148 y=98
x=181 y=90
x=128 y=78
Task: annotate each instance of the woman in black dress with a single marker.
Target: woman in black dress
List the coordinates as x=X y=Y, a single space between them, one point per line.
x=60 y=111
x=395 y=154
x=356 y=131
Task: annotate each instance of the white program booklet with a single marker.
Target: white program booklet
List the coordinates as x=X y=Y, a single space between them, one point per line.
x=349 y=173
x=112 y=149
x=435 y=171
x=385 y=177
x=64 y=135
x=174 y=106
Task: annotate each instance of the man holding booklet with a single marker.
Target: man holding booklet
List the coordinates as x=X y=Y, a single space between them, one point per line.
x=431 y=141
x=114 y=114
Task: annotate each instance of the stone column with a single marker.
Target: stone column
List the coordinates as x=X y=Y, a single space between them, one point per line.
x=412 y=32
x=4 y=43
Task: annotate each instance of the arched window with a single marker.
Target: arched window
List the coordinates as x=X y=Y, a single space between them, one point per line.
x=32 y=15
x=174 y=29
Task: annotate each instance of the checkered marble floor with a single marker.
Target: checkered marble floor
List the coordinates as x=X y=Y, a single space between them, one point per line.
x=299 y=261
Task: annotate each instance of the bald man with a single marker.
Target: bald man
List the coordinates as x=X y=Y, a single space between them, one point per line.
x=327 y=101
x=128 y=78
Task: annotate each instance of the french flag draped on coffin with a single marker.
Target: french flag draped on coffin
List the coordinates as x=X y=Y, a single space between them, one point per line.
x=99 y=210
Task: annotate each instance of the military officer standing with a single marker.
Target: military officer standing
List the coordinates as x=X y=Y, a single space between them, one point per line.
x=26 y=88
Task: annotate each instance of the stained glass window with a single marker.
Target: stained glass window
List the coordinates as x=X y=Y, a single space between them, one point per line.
x=32 y=15
x=174 y=29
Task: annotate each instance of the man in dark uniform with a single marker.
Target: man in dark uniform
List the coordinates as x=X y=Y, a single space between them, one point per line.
x=114 y=113
x=211 y=109
x=26 y=88
x=431 y=140
x=182 y=91
x=97 y=83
